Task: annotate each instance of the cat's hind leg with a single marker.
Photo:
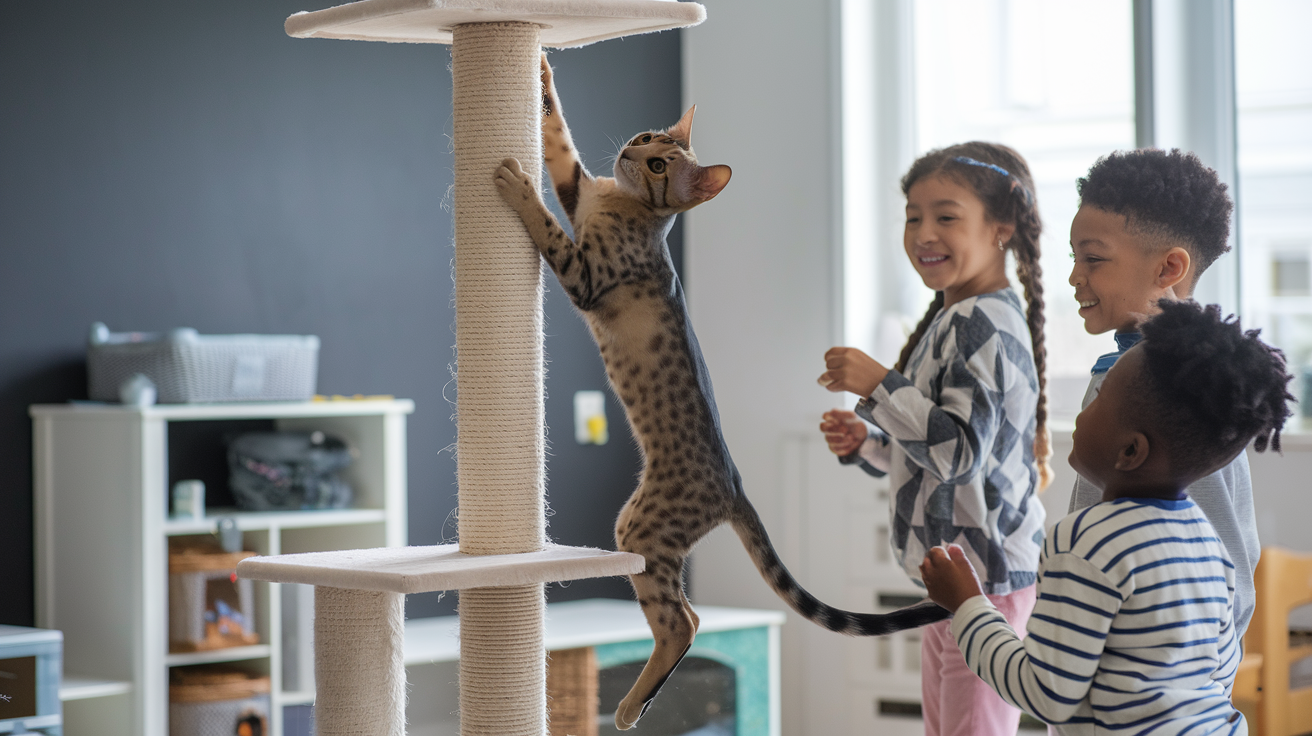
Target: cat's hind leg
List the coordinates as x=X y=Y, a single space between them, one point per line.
x=673 y=626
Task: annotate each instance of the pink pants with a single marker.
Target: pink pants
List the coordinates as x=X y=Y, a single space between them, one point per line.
x=955 y=701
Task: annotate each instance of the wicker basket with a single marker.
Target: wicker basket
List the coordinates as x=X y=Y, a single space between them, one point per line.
x=189 y=368
x=217 y=701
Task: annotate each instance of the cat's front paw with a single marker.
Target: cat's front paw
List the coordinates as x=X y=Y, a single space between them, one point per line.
x=515 y=185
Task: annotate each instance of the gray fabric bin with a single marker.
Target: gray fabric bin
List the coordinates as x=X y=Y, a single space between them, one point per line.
x=189 y=368
x=217 y=700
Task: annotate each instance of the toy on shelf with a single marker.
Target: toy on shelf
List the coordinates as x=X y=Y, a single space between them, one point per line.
x=209 y=606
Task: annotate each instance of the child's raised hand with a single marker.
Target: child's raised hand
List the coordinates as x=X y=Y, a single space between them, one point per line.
x=949 y=577
x=844 y=431
x=850 y=369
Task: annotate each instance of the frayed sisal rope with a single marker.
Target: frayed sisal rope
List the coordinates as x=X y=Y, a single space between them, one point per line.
x=360 y=686
x=500 y=447
x=500 y=450
x=503 y=663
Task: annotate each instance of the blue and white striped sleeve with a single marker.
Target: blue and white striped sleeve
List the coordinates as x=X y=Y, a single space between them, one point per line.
x=1228 y=652
x=1049 y=673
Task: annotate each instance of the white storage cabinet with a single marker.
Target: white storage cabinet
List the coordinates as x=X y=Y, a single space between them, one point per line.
x=102 y=528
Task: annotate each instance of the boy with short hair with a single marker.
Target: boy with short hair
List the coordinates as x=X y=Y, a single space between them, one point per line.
x=1133 y=627
x=1150 y=222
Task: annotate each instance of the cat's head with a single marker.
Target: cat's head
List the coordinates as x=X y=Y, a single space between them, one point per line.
x=660 y=169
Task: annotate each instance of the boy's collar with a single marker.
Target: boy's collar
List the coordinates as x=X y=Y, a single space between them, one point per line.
x=1170 y=504
x=1124 y=341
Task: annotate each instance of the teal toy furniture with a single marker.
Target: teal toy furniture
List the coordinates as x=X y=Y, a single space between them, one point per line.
x=745 y=645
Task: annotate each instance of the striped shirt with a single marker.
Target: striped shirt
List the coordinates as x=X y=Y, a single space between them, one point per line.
x=956 y=437
x=1226 y=497
x=1132 y=632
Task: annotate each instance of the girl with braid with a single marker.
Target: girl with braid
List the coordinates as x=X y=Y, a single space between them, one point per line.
x=960 y=420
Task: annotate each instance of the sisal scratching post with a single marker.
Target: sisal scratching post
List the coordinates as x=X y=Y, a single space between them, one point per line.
x=360 y=678
x=500 y=448
x=503 y=556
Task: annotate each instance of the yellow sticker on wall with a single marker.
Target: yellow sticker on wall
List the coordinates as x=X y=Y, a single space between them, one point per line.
x=590 y=427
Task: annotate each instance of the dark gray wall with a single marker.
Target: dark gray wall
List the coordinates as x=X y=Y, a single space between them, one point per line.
x=170 y=164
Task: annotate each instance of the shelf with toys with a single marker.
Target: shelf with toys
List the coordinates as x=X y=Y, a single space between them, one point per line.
x=102 y=479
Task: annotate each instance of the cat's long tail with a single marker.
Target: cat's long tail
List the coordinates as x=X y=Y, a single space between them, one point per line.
x=752 y=532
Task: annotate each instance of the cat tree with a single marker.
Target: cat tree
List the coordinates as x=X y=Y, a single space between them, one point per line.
x=503 y=558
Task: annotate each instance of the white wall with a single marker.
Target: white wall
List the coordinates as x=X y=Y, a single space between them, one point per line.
x=760 y=267
x=763 y=273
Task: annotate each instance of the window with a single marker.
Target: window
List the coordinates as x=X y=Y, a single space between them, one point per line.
x=1273 y=89
x=1054 y=80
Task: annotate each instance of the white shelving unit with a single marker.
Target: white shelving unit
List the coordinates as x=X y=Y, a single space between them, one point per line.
x=102 y=528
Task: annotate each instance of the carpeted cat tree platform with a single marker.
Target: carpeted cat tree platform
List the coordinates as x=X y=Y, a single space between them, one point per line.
x=503 y=557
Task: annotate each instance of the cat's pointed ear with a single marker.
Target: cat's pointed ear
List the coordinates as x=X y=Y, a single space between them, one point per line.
x=682 y=130
x=710 y=179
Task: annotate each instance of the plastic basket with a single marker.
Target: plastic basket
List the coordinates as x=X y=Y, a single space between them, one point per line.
x=189 y=368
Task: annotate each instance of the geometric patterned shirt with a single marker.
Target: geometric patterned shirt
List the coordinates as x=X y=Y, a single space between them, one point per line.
x=955 y=434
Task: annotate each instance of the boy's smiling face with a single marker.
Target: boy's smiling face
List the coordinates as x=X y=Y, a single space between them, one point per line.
x=1117 y=276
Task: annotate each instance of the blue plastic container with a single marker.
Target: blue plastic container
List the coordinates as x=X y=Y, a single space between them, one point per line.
x=31 y=665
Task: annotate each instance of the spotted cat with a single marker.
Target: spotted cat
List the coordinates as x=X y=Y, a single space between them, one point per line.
x=617 y=271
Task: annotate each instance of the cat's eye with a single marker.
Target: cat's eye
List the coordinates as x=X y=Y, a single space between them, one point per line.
x=656 y=165
x=646 y=138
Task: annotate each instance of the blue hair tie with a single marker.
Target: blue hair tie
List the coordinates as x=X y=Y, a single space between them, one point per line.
x=973 y=162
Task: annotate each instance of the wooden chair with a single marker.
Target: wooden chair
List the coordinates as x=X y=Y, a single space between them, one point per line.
x=1283 y=582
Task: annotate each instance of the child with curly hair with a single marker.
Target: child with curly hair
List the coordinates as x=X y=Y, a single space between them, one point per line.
x=961 y=418
x=1150 y=223
x=1134 y=627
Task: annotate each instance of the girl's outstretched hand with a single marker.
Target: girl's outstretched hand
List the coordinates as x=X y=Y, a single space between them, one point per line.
x=850 y=369
x=844 y=431
x=948 y=577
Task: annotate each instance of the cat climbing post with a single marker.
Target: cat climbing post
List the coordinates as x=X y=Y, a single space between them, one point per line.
x=503 y=558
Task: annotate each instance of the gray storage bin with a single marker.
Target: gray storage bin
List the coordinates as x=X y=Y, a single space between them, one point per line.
x=217 y=700
x=189 y=368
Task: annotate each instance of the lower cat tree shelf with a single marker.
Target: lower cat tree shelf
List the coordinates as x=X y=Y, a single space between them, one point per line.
x=359 y=605
x=440 y=567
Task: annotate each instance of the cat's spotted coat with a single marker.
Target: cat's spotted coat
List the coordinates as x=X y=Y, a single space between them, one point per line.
x=618 y=273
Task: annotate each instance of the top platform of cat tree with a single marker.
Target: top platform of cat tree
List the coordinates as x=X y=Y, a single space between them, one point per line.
x=565 y=23
x=438 y=567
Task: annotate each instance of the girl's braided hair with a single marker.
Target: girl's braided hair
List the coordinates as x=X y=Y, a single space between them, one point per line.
x=999 y=176
x=1211 y=386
